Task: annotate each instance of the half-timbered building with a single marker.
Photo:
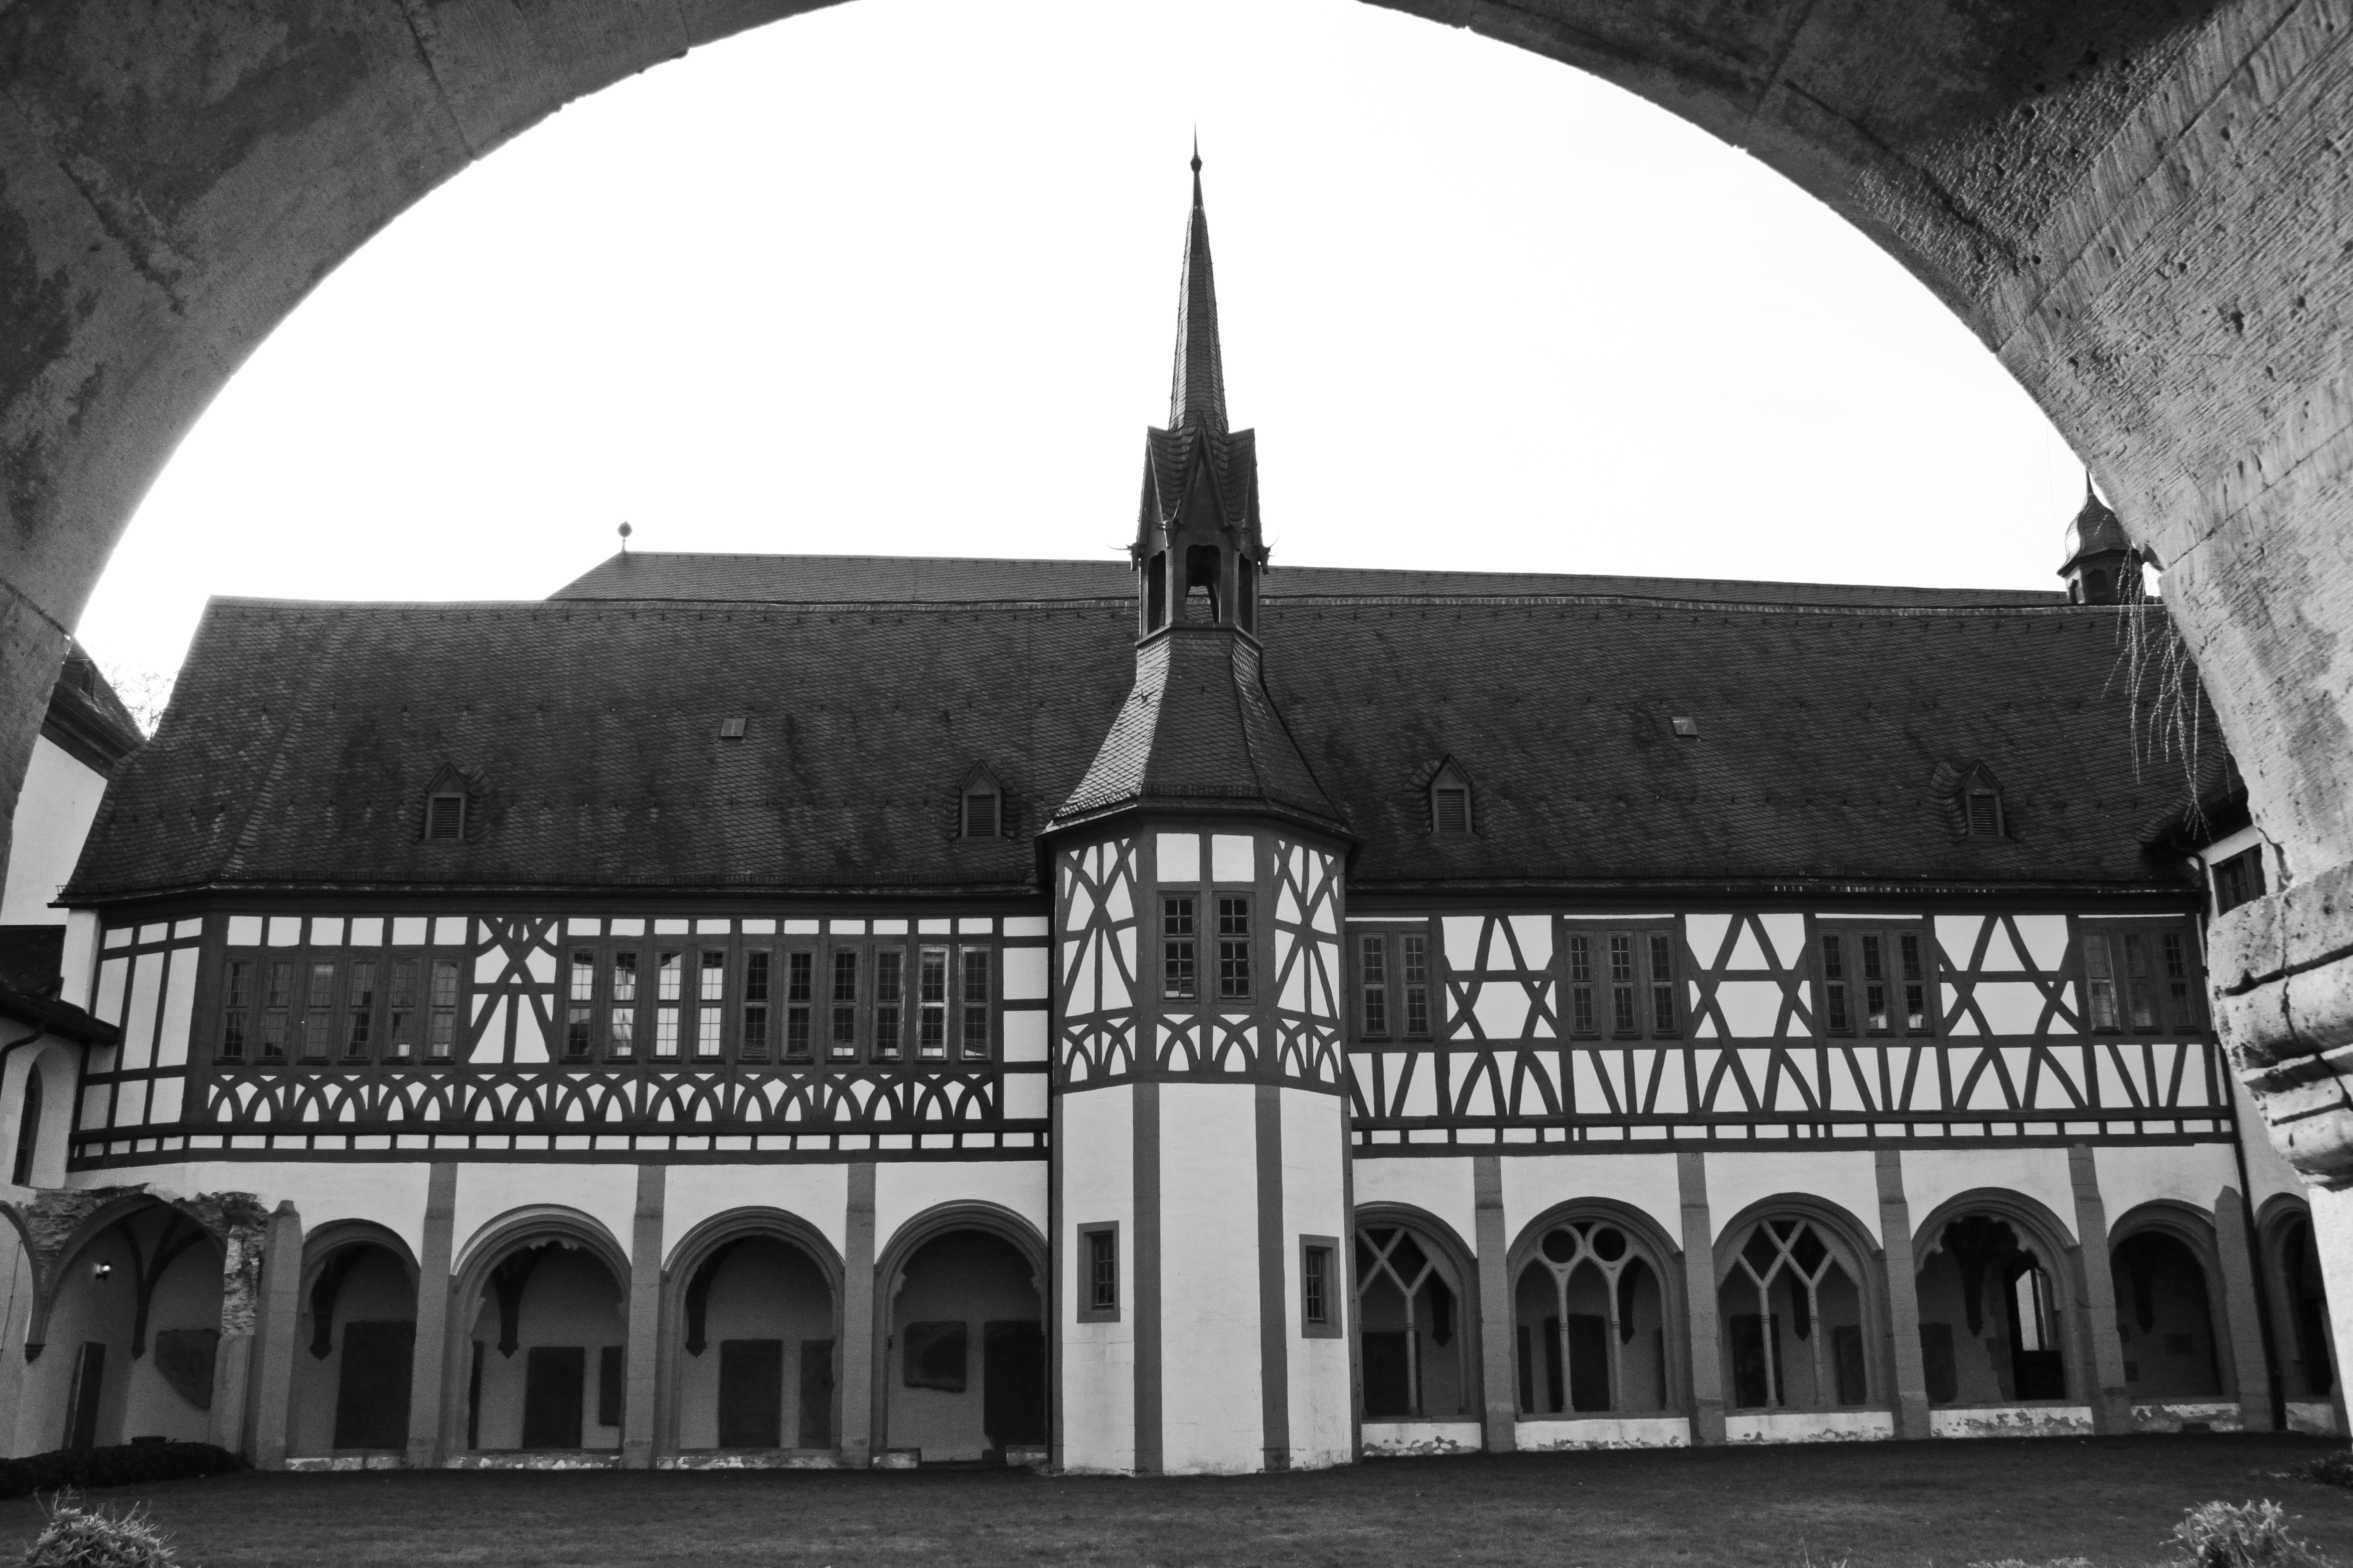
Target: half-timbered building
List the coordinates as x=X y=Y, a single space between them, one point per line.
x=1176 y=1014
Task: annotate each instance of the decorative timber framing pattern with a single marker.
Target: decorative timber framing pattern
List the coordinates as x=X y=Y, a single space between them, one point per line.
x=2005 y=1026
x=381 y=1036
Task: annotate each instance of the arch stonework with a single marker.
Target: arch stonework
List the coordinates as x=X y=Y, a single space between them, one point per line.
x=2122 y=203
x=1850 y=1245
x=689 y=1254
x=1659 y=1249
x=469 y=1276
x=2040 y=1230
x=1458 y=1261
x=911 y=1235
x=2194 y=1229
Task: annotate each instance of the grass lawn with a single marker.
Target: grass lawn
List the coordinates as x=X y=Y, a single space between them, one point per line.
x=1950 y=1503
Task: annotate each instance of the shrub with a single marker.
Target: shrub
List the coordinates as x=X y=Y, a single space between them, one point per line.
x=78 y=1537
x=2242 y=1535
x=130 y=1465
x=2330 y=1469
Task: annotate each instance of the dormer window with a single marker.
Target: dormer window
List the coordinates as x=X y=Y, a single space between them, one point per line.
x=445 y=815
x=980 y=806
x=1981 y=804
x=1449 y=800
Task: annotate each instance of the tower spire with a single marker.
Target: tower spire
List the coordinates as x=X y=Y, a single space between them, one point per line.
x=1197 y=391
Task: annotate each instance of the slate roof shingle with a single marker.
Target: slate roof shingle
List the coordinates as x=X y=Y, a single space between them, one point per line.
x=300 y=737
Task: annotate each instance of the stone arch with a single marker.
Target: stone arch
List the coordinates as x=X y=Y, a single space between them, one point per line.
x=1649 y=1241
x=475 y=1415
x=2046 y=1235
x=695 y=1260
x=1456 y=1264
x=2143 y=1321
x=352 y=1359
x=133 y=1297
x=906 y=1245
x=1828 y=1378
x=2297 y=1300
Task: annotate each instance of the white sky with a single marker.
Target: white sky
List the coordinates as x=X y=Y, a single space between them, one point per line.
x=901 y=277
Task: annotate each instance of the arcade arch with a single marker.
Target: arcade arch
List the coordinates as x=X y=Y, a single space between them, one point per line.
x=540 y=1334
x=1799 y=1308
x=1598 y=1314
x=1998 y=1303
x=960 y=1306
x=1417 y=1317
x=751 y=1357
x=2305 y=1350
x=355 y=1341
x=2169 y=1305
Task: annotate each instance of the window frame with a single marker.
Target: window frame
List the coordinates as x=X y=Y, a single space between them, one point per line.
x=2174 y=980
x=433 y=801
x=1374 y=1015
x=1334 y=1324
x=1086 y=1299
x=1591 y=999
x=385 y=959
x=1841 y=972
x=2242 y=874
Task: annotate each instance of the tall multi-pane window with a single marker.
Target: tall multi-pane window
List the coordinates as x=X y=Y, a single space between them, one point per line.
x=1413 y=960
x=800 y=995
x=359 y=1010
x=976 y=1003
x=580 y=1005
x=1103 y=1271
x=890 y=1001
x=670 y=984
x=1316 y=1285
x=1621 y=984
x=932 y=1003
x=1179 y=969
x=621 y=1038
x=318 y=1010
x=237 y=1009
x=441 y=1025
x=277 y=1000
x=842 y=1036
x=709 y=997
x=1373 y=983
x=400 y=1011
x=1875 y=980
x=2181 y=983
x=1233 y=948
x=1581 y=984
x=754 y=1046
x=1663 y=982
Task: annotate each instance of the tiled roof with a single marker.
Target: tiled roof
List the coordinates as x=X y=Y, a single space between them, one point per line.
x=85 y=717
x=1196 y=387
x=301 y=737
x=899 y=580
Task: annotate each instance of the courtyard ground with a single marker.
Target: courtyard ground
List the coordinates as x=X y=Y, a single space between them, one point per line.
x=1948 y=1504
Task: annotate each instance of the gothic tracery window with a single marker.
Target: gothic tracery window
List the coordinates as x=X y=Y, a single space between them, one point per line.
x=1591 y=1324
x=1793 y=1317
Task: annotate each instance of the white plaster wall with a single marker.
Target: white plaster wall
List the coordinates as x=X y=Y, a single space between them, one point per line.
x=1213 y=1420
x=392 y=1193
x=692 y=1194
x=1534 y=1182
x=1442 y=1188
x=1847 y=1177
x=53 y=816
x=1097 y=1386
x=2193 y=1174
x=608 y=1194
x=903 y=1191
x=1314 y=1203
x=1932 y=1175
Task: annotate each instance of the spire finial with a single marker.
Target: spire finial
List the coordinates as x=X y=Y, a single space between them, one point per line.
x=625 y=532
x=1197 y=392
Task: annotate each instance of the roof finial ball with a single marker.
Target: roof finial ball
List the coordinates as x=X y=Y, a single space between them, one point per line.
x=2099 y=556
x=625 y=532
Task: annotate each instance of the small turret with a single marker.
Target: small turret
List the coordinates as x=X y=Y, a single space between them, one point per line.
x=2100 y=558
x=1197 y=544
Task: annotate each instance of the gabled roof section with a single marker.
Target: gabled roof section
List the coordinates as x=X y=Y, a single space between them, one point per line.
x=1198 y=732
x=86 y=719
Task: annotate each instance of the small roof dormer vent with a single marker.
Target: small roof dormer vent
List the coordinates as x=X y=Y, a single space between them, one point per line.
x=1969 y=798
x=452 y=810
x=1448 y=801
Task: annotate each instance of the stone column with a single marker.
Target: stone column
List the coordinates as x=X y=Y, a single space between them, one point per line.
x=1911 y=1402
x=857 y=1379
x=242 y=1250
x=2234 y=1249
x=274 y=1345
x=1498 y=1406
x=2100 y=1351
x=640 y=1385
x=428 y=1383
x=1699 y=1292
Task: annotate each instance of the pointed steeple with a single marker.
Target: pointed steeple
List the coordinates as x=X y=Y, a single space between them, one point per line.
x=1197 y=392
